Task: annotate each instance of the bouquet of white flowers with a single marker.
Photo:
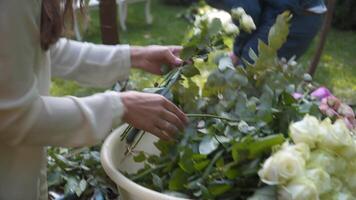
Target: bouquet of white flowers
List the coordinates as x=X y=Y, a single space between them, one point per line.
x=319 y=164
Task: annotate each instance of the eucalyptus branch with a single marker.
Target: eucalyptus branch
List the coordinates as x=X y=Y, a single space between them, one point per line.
x=211 y=116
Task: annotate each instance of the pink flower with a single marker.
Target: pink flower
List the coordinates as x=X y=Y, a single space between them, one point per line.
x=326 y=109
x=350 y=123
x=333 y=102
x=346 y=111
x=321 y=93
x=297 y=95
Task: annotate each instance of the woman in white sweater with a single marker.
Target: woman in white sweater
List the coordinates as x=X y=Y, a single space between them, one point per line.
x=30 y=54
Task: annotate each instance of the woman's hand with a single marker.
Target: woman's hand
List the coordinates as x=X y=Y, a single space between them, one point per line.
x=152 y=58
x=153 y=113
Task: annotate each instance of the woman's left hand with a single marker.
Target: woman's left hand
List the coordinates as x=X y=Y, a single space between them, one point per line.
x=152 y=58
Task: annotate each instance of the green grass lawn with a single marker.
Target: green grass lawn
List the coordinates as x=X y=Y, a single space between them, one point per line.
x=337 y=69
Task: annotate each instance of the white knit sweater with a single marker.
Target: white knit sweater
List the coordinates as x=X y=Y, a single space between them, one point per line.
x=30 y=119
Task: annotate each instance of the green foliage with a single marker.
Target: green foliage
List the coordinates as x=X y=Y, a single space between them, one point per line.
x=76 y=172
x=242 y=113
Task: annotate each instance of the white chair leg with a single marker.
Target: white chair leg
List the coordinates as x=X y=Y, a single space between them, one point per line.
x=76 y=27
x=122 y=12
x=125 y=12
x=149 y=18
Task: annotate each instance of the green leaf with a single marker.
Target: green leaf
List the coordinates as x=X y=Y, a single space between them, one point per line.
x=208 y=145
x=190 y=71
x=140 y=157
x=200 y=166
x=156 y=180
x=251 y=148
x=232 y=173
x=186 y=161
x=54 y=178
x=72 y=186
x=188 y=52
x=83 y=185
x=278 y=33
x=178 y=180
x=219 y=189
x=215 y=27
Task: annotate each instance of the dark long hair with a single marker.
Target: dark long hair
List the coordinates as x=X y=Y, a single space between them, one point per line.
x=56 y=17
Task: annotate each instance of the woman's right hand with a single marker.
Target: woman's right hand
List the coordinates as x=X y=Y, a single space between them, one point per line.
x=153 y=113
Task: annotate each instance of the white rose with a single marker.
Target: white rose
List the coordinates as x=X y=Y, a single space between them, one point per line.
x=320 y=178
x=298 y=189
x=350 y=178
x=305 y=131
x=237 y=13
x=336 y=184
x=247 y=24
x=323 y=159
x=301 y=149
x=231 y=29
x=344 y=195
x=348 y=151
x=335 y=136
x=281 y=167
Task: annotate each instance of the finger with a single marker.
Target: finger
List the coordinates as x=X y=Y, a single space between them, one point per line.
x=167 y=128
x=175 y=110
x=175 y=49
x=161 y=134
x=172 y=59
x=173 y=119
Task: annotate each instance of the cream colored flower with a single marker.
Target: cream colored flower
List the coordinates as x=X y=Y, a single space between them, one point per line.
x=335 y=136
x=300 y=149
x=320 y=178
x=325 y=160
x=298 y=189
x=237 y=13
x=344 y=195
x=231 y=29
x=305 y=131
x=281 y=167
x=247 y=24
x=349 y=177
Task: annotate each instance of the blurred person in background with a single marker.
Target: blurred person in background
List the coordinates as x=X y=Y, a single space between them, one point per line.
x=305 y=24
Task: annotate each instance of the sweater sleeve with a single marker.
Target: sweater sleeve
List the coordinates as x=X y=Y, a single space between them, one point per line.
x=90 y=64
x=29 y=118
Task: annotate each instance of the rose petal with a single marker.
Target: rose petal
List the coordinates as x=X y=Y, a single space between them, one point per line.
x=297 y=95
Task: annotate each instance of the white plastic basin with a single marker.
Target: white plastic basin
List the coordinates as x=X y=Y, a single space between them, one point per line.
x=115 y=161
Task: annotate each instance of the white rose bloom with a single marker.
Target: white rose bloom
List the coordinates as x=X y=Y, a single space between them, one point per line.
x=247 y=24
x=335 y=136
x=305 y=131
x=350 y=179
x=338 y=196
x=223 y=16
x=348 y=151
x=301 y=149
x=336 y=184
x=298 y=189
x=320 y=178
x=325 y=160
x=281 y=167
x=231 y=29
x=237 y=13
